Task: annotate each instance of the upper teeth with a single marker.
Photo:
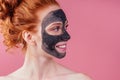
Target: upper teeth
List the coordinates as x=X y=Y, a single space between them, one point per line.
x=62 y=46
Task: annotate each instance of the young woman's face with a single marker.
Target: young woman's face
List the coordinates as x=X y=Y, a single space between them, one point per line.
x=53 y=32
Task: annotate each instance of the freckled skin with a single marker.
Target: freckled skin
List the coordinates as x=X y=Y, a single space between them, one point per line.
x=49 y=41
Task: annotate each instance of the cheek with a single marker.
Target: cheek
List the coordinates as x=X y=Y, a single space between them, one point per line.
x=39 y=42
x=38 y=34
x=38 y=38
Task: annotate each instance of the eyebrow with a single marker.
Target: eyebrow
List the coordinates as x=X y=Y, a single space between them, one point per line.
x=56 y=23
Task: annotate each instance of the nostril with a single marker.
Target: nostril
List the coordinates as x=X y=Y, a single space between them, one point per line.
x=69 y=37
x=66 y=37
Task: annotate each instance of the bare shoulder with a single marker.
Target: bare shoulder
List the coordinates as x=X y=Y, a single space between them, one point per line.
x=71 y=75
x=81 y=76
x=4 y=78
x=76 y=76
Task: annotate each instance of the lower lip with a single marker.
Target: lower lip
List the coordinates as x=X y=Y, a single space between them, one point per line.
x=61 y=50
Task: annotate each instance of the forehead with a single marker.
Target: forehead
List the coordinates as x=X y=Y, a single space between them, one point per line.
x=42 y=13
x=51 y=12
x=54 y=16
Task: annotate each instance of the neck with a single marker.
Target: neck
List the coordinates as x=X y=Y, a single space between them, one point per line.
x=38 y=66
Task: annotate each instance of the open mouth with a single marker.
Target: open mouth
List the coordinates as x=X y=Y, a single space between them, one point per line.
x=61 y=47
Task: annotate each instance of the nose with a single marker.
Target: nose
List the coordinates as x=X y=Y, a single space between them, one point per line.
x=65 y=36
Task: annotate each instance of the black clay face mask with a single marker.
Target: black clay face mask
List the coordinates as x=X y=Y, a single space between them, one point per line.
x=49 y=41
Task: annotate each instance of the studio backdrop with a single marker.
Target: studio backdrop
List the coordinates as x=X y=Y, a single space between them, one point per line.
x=94 y=48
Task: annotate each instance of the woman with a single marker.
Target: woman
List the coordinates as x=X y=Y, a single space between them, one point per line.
x=40 y=26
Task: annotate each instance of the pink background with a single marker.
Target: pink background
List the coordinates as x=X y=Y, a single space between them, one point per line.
x=94 y=48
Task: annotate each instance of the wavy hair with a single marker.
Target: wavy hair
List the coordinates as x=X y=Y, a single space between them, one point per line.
x=19 y=15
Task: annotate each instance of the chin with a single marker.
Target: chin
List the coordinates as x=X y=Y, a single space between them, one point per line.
x=61 y=55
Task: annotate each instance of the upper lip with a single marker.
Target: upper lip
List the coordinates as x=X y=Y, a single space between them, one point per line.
x=61 y=43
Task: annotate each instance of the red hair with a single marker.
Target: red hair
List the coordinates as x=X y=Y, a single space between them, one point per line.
x=19 y=15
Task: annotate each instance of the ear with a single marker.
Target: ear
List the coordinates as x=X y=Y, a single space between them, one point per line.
x=28 y=37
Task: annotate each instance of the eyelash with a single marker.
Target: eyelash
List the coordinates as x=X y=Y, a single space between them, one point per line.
x=57 y=28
